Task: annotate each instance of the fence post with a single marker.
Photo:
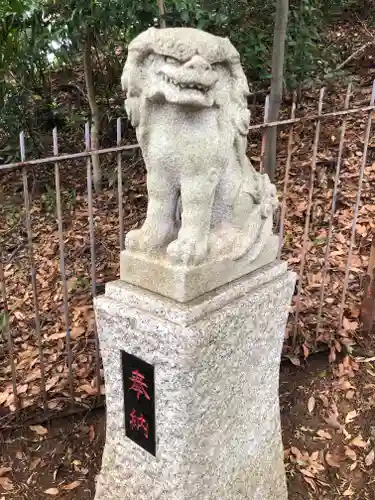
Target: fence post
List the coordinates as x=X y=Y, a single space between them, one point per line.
x=368 y=303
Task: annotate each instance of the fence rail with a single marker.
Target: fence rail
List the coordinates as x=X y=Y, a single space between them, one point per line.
x=73 y=156
x=118 y=148
x=17 y=401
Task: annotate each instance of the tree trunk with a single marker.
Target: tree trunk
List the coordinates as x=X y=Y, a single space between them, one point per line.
x=278 y=56
x=94 y=108
x=161 y=6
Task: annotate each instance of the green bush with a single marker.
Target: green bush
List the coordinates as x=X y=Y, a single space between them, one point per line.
x=250 y=27
x=28 y=27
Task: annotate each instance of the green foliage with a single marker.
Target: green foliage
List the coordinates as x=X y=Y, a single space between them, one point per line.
x=24 y=86
x=32 y=31
x=250 y=27
x=305 y=42
x=48 y=199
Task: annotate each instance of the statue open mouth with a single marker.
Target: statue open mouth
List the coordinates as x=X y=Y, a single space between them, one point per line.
x=185 y=85
x=180 y=83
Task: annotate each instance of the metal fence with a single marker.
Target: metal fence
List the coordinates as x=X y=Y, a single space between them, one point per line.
x=16 y=376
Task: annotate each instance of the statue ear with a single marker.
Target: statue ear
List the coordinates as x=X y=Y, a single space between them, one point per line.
x=124 y=80
x=240 y=80
x=242 y=121
x=132 y=106
x=132 y=102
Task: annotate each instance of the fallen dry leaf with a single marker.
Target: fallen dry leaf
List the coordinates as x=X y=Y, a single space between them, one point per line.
x=39 y=429
x=88 y=389
x=296 y=452
x=346 y=433
x=359 y=442
x=19 y=315
x=52 y=491
x=4 y=470
x=350 y=417
x=311 y=404
x=77 y=331
x=92 y=433
x=310 y=482
x=349 y=325
x=6 y=483
x=369 y=460
x=348 y=492
x=332 y=421
x=3 y=397
x=307 y=473
x=350 y=453
x=324 y=434
x=34 y=463
x=350 y=394
x=57 y=336
x=324 y=400
x=344 y=385
x=294 y=359
x=71 y=486
x=332 y=461
x=52 y=382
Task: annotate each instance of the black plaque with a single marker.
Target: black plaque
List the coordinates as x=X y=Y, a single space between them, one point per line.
x=139 y=401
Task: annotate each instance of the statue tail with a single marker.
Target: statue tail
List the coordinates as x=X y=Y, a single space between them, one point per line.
x=260 y=219
x=254 y=247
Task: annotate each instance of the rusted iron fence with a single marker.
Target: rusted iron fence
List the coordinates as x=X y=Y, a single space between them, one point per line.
x=12 y=388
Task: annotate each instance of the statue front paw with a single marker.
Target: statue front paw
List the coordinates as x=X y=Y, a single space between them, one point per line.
x=142 y=240
x=187 y=251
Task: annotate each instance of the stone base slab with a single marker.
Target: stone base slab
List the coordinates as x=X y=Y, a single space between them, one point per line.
x=216 y=363
x=187 y=283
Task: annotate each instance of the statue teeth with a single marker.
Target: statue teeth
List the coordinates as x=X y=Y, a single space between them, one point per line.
x=182 y=86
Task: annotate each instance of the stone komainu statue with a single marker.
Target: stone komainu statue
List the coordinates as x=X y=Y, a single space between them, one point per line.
x=186 y=97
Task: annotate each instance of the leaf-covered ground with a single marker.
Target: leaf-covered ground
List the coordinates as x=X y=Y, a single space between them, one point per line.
x=105 y=212
x=329 y=436
x=327 y=411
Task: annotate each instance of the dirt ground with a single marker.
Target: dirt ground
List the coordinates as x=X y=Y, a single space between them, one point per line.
x=328 y=438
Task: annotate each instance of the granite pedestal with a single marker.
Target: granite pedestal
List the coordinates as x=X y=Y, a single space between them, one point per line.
x=184 y=284
x=216 y=362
